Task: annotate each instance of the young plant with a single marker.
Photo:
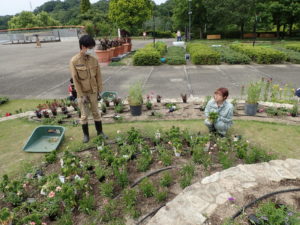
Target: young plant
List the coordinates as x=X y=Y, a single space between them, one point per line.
x=101 y=173
x=149 y=105
x=103 y=108
x=200 y=156
x=161 y=196
x=225 y=160
x=294 y=110
x=144 y=162
x=253 y=92
x=213 y=117
x=51 y=157
x=187 y=172
x=107 y=189
x=87 y=204
x=119 y=108
x=158 y=98
x=130 y=200
x=122 y=177
x=5 y=216
x=166 y=157
x=166 y=179
x=147 y=188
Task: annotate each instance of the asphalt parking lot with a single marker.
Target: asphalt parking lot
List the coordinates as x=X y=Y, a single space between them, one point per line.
x=29 y=72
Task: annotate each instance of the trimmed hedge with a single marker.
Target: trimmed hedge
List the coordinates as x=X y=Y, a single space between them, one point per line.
x=160 y=34
x=175 y=56
x=292 y=56
x=260 y=55
x=202 y=54
x=146 y=57
x=294 y=47
x=232 y=57
x=160 y=46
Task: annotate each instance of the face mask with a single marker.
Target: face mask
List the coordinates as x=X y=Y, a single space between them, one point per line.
x=89 y=51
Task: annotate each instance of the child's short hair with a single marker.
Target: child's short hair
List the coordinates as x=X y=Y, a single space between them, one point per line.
x=223 y=91
x=87 y=41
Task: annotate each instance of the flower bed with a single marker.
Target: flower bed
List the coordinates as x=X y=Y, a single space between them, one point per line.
x=107 y=181
x=232 y=57
x=202 y=54
x=175 y=56
x=260 y=54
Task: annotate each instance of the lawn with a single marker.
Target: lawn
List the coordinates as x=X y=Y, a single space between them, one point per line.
x=276 y=138
x=16 y=104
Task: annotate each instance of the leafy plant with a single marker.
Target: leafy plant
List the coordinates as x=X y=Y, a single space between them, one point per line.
x=119 y=108
x=135 y=96
x=213 y=116
x=101 y=173
x=87 y=204
x=129 y=200
x=225 y=160
x=51 y=157
x=294 y=110
x=161 y=196
x=144 y=162
x=200 y=156
x=107 y=189
x=149 y=105
x=187 y=172
x=5 y=215
x=147 y=188
x=165 y=156
x=122 y=177
x=253 y=92
x=166 y=179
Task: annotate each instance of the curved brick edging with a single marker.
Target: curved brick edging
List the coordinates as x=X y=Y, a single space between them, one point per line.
x=203 y=197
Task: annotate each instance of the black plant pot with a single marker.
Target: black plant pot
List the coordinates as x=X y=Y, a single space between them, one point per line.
x=294 y=114
x=136 y=110
x=251 y=109
x=54 y=113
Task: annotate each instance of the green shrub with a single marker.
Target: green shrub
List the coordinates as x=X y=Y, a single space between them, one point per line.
x=161 y=196
x=256 y=155
x=292 y=56
x=143 y=163
x=107 y=189
x=294 y=47
x=259 y=54
x=175 y=56
x=87 y=204
x=51 y=157
x=202 y=54
x=232 y=57
x=146 y=57
x=200 y=156
x=160 y=46
x=166 y=157
x=3 y=100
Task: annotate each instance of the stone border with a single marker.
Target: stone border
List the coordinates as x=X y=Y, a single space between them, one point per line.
x=203 y=197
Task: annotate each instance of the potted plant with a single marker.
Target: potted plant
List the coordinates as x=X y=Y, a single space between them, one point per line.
x=253 y=95
x=53 y=109
x=38 y=113
x=184 y=98
x=135 y=99
x=102 y=53
x=149 y=105
x=103 y=108
x=45 y=114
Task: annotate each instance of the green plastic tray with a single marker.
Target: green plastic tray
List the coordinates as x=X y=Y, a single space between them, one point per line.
x=45 y=139
x=109 y=94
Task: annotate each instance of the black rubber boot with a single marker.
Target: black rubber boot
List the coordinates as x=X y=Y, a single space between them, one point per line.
x=86 y=136
x=99 y=129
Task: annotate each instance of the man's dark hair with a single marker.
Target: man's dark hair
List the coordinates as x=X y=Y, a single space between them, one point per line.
x=87 y=41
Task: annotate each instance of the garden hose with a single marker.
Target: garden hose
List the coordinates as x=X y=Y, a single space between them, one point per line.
x=261 y=198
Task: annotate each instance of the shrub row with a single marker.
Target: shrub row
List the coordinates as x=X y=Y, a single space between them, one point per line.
x=261 y=55
x=148 y=56
x=203 y=54
x=175 y=56
x=292 y=56
x=232 y=57
x=160 y=34
x=295 y=47
x=3 y=100
x=160 y=46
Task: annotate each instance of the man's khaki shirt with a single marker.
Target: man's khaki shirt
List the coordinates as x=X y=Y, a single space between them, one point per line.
x=86 y=74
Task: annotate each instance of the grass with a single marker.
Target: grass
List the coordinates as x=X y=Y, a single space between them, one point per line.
x=276 y=138
x=16 y=104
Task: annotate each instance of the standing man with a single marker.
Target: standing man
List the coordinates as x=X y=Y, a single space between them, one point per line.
x=178 y=34
x=86 y=75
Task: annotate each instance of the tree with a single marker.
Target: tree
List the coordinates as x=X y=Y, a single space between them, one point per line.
x=130 y=14
x=85 y=5
x=4 y=22
x=29 y=19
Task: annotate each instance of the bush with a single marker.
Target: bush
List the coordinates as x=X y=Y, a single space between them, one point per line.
x=202 y=54
x=160 y=46
x=232 y=57
x=294 y=47
x=161 y=34
x=292 y=56
x=147 y=188
x=260 y=54
x=3 y=100
x=175 y=56
x=146 y=57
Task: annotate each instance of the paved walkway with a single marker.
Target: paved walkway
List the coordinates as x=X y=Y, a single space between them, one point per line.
x=200 y=200
x=29 y=72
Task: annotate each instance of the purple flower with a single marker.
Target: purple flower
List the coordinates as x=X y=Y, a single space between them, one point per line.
x=231 y=199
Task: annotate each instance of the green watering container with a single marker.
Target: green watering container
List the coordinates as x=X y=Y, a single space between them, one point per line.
x=45 y=139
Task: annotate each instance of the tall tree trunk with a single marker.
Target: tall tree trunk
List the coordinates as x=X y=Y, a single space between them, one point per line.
x=201 y=33
x=291 y=28
x=277 y=29
x=242 y=30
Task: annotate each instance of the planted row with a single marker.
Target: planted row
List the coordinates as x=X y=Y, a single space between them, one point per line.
x=202 y=54
x=260 y=54
x=232 y=57
x=150 y=55
x=295 y=47
x=175 y=56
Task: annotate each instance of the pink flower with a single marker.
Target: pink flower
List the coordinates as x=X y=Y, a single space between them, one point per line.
x=231 y=199
x=169 y=142
x=58 y=188
x=44 y=223
x=105 y=201
x=51 y=194
x=32 y=223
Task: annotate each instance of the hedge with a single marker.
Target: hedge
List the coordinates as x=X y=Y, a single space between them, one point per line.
x=3 y=100
x=160 y=34
x=292 y=56
x=232 y=57
x=202 y=54
x=175 y=56
x=146 y=57
x=295 y=47
x=260 y=55
x=160 y=46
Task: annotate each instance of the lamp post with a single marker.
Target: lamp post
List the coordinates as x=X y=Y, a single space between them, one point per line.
x=153 y=32
x=190 y=15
